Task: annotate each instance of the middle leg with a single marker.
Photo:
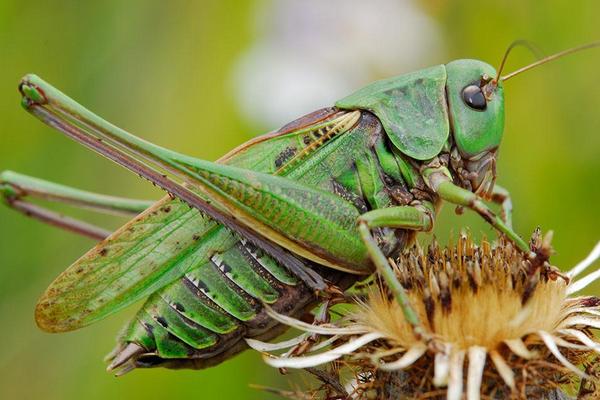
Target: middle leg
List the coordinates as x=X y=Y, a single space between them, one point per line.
x=419 y=218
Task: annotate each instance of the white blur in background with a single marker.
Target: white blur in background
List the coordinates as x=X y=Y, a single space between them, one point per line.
x=310 y=53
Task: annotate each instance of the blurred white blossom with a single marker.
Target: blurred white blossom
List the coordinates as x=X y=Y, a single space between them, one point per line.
x=309 y=53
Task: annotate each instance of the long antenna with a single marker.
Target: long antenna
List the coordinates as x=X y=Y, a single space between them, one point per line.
x=520 y=42
x=550 y=58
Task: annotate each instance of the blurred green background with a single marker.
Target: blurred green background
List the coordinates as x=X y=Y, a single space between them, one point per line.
x=166 y=71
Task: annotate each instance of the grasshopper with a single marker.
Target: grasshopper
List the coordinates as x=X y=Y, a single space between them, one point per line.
x=282 y=222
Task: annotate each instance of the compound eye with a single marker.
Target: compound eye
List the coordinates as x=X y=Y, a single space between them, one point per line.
x=473 y=97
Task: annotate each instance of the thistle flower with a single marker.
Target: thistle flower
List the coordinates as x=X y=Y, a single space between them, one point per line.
x=495 y=328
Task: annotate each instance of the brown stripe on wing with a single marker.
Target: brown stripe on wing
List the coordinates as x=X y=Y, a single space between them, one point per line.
x=305 y=121
x=321 y=135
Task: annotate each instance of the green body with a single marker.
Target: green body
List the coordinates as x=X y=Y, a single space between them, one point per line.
x=385 y=157
x=238 y=293
x=180 y=256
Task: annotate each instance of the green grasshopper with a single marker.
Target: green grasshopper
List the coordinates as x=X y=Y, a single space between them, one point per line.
x=284 y=221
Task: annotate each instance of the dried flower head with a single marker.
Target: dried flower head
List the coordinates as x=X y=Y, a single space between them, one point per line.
x=495 y=327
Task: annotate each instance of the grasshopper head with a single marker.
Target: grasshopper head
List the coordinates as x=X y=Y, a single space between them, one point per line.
x=476 y=110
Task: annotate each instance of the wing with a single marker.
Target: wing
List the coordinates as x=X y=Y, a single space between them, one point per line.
x=147 y=253
x=164 y=242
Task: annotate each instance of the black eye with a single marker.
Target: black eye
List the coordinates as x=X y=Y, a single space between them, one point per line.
x=474 y=98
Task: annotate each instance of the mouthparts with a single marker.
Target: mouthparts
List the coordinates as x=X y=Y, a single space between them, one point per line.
x=482 y=174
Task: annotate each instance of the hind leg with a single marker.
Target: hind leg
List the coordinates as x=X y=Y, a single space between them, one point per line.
x=16 y=190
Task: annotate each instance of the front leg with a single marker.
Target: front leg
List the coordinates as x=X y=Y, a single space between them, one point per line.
x=501 y=196
x=440 y=181
x=419 y=218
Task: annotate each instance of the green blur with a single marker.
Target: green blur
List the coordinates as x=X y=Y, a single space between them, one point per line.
x=164 y=73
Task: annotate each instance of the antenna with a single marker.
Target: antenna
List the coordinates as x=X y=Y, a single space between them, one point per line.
x=520 y=42
x=547 y=59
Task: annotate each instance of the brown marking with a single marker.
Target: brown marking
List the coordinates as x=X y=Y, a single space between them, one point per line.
x=344 y=193
x=302 y=122
x=285 y=156
x=308 y=119
x=329 y=131
x=163 y=322
x=590 y=302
